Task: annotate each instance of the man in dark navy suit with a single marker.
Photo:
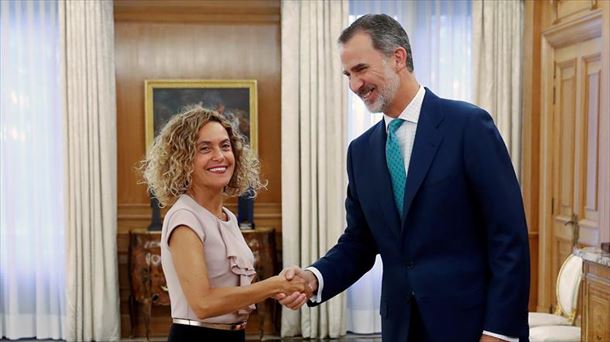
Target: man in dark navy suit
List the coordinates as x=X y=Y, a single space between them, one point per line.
x=432 y=189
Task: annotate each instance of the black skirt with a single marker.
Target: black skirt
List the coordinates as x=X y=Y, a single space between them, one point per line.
x=190 y=333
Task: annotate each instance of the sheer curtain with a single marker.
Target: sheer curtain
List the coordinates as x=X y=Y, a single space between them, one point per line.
x=440 y=36
x=32 y=261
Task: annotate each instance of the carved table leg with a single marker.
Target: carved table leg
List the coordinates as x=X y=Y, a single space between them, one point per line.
x=133 y=315
x=147 y=314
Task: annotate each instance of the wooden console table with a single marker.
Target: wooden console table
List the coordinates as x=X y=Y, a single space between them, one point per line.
x=596 y=293
x=148 y=285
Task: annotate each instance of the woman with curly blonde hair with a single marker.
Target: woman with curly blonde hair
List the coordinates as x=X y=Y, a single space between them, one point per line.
x=196 y=161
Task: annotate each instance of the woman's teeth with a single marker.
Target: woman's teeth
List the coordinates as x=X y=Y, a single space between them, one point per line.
x=217 y=169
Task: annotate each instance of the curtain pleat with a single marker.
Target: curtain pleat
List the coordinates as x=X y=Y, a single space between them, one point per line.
x=313 y=152
x=497 y=45
x=90 y=124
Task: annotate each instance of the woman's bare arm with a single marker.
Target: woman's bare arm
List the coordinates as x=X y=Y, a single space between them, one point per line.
x=189 y=261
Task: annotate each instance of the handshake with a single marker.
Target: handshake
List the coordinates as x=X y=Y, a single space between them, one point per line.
x=296 y=286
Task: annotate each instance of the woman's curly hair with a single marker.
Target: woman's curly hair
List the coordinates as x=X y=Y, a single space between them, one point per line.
x=168 y=167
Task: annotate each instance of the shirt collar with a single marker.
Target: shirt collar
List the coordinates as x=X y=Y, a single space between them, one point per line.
x=411 y=112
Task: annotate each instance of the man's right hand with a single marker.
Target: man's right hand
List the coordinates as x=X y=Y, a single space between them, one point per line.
x=295 y=300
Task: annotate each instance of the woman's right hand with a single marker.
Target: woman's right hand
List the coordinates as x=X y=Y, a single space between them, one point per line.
x=297 y=284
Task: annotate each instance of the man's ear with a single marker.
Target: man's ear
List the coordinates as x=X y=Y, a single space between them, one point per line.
x=400 y=58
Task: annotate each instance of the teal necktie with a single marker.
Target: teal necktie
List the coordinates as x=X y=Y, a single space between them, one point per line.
x=396 y=164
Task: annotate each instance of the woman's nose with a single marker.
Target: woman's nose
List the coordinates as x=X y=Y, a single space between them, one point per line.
x=218 y=154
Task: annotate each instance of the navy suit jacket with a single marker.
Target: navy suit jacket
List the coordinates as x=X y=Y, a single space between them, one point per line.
x=461 y=248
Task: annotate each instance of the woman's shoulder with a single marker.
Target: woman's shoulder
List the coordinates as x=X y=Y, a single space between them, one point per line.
x=181 y=205
x=183 y=201
x=185 y=213
x=185 y=206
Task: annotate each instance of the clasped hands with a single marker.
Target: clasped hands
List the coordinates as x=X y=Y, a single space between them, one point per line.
x=300 y=286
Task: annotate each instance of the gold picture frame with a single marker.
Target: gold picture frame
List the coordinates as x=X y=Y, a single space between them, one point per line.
x=236 y=99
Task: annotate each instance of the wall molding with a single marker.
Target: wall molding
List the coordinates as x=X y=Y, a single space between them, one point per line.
x=210 y=11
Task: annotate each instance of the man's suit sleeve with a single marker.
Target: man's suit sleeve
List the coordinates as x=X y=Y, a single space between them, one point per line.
x=355 y=252
x=495 y=187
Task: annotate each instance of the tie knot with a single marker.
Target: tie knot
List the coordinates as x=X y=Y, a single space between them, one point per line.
x=394 y=124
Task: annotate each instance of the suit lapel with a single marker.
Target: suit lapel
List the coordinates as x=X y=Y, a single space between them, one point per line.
x=427 y=140
x=385 y=200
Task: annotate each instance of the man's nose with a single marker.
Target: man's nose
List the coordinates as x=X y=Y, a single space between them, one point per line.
x=355 y=84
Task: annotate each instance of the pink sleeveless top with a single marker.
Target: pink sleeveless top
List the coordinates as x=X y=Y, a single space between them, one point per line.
x=229 y=260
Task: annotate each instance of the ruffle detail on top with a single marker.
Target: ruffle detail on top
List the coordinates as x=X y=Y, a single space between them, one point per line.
x=240 y=260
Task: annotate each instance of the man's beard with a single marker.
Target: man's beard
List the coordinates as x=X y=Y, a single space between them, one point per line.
x=387 y=93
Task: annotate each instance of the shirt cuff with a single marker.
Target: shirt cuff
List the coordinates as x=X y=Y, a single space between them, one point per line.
x=318 y=297
x=502 y=337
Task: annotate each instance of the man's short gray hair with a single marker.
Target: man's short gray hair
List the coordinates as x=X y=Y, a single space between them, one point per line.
x=386 y=33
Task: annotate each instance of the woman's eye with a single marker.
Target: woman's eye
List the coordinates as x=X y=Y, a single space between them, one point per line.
x=204 y=149
x=226 y=147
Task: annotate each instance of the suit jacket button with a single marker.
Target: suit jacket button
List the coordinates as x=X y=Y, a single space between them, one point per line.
x=410 y=264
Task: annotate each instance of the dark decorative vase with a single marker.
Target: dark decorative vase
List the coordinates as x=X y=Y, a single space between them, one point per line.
x=155 y=220
x=245 y=211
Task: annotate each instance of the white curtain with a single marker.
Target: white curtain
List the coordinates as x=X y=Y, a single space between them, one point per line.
x=32 y=269
x=89 y=120
x=440 y=37
x=313 y=150
x=497 y=44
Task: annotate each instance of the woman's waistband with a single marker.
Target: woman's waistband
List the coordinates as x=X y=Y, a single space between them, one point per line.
x=221 y=326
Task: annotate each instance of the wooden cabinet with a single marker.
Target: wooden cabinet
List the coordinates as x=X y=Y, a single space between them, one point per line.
x=262 y=243
x=148 y=285
x=596 y=306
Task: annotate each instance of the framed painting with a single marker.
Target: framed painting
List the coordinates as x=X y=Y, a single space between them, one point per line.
x=236 y=99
